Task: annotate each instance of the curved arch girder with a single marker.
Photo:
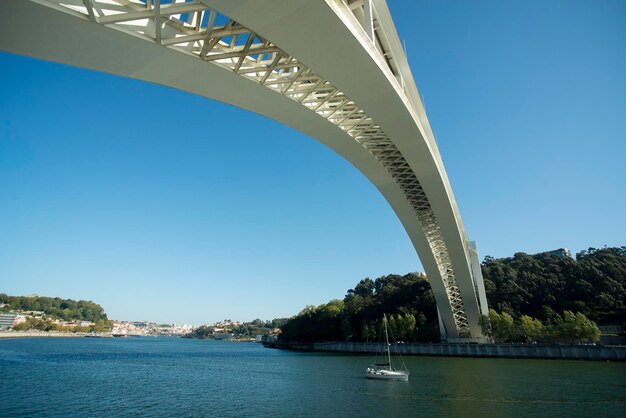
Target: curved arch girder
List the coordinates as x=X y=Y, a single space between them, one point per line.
x=196 y=30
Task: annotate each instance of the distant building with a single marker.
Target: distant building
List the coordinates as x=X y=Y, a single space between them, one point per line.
x=6 y=321
x=560 y=252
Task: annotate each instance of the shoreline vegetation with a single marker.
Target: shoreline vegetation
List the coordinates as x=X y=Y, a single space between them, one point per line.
x=238 y=331
x=546 y=298
x=542 y=298
x=44 y=313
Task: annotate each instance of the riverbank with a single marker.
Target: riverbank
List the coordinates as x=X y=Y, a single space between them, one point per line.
x=530 y=351
x=50 y=334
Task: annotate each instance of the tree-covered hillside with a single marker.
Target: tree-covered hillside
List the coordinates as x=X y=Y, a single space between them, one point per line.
x=56 y=308
x=593 y=284
x=408 y=300
x=544 y=287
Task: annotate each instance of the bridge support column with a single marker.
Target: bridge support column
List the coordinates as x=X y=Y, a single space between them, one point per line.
x=442 y=327
x=478 y=278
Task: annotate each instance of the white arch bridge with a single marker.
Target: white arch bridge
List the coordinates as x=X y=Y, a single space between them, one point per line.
x=332 y=69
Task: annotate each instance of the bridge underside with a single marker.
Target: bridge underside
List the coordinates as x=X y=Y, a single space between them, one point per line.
x=333 y=70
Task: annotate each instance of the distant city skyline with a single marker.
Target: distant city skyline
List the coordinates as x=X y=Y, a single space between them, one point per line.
x=103 y=199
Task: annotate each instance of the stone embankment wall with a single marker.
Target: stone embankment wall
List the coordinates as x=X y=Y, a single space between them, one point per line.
x=534 y=351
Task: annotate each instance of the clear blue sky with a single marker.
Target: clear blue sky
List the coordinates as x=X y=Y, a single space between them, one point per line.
x=161 y=205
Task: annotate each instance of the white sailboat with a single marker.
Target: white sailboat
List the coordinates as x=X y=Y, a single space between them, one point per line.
x=385 y=371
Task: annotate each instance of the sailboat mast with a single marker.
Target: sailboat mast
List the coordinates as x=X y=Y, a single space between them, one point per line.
x=387 y=341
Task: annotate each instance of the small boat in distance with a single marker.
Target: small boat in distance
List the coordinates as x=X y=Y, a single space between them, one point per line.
x=385 y=371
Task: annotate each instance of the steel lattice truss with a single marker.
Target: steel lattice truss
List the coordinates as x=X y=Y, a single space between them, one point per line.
x=192 y=28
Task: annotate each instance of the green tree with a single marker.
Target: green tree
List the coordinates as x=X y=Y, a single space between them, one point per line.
x=102 y=326
x=346 y=329
x=365 y=332
x=410 y=324
x=426 y=330
x=503 y=326
x=393 y=327
x=373 y=331
x=575 y=328
x=202 y=332
x=531 y=330
x=485 y=326
x=23 y=326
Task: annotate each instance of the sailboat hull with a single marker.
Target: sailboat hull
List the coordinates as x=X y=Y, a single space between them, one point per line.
x=386 y=375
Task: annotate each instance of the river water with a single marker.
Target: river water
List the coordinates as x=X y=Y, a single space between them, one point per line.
x=179 y=377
